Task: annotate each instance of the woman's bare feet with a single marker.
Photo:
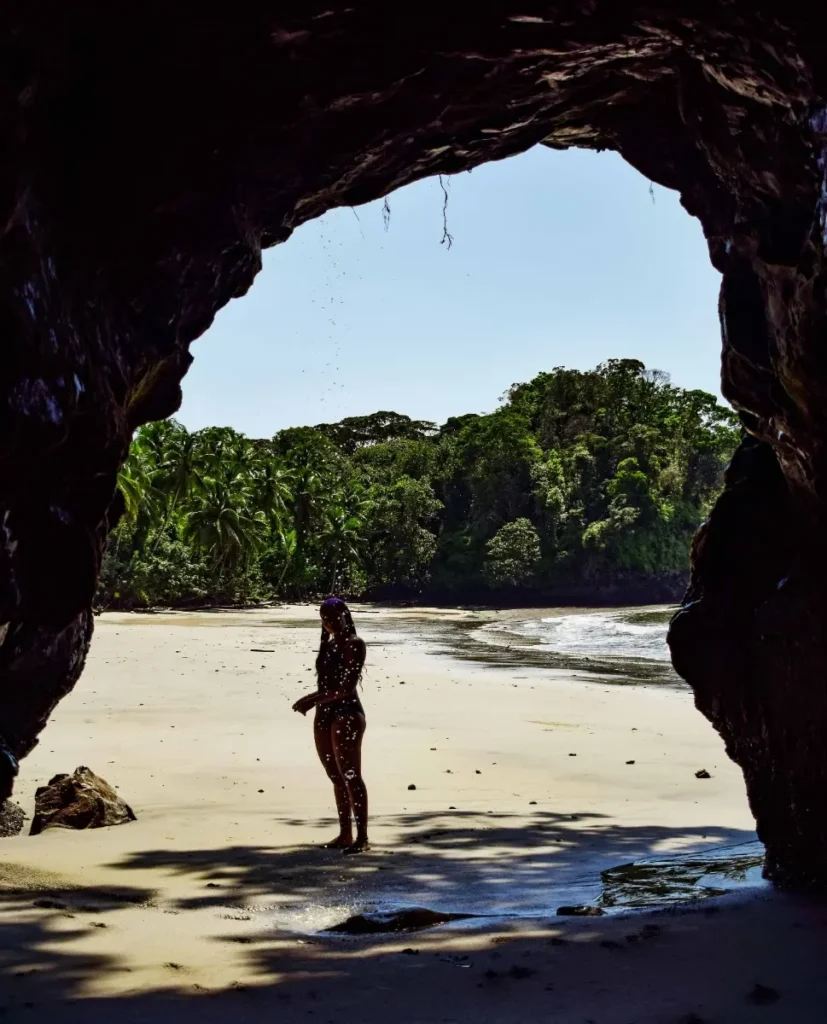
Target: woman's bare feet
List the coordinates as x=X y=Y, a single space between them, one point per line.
x=360 y=846
x=341 y=842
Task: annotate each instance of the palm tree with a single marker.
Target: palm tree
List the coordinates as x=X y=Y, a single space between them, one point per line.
x=135 y=484
x=342 y=538
x=179 y=474
x=140 y=497
x=308 y=503
x=274 y=494
x=342 y=543
x=224 y=453
x=222 y=525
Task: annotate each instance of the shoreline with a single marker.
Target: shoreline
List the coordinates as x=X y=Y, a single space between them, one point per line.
x=214 y=900
x=662 y=592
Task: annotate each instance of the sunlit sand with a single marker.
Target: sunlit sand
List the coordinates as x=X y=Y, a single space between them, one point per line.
x=524 y=795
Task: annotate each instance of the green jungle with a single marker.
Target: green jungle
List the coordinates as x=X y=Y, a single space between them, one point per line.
x=578 y=481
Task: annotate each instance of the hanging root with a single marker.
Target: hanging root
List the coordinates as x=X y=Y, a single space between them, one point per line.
x=358 y=220
x=446 y=234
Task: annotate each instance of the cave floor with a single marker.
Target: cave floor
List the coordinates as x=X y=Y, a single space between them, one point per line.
x=214 y=904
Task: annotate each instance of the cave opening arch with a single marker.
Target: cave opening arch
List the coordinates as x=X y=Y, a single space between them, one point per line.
x=146 y=170
x=574 y=253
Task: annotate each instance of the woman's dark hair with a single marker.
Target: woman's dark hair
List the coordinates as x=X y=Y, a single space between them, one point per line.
x=334 y=604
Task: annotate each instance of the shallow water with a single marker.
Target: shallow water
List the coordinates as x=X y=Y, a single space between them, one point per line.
x=666 y=881
x=652 y=883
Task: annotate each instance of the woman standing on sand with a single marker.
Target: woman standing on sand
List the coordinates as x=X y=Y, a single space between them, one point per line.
x=340 y=721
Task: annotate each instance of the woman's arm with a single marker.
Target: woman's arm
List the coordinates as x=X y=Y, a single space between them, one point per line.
x=304 y=704
x=354 y=662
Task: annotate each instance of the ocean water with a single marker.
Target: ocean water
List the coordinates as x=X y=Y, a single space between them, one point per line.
x=624 y=645
x=640 y=633
x=620 y=645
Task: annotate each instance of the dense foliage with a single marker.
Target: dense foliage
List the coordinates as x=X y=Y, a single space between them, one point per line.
x=576 y=478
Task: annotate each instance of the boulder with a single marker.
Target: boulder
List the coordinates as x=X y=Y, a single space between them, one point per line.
x=80 y=800
x=408 y=919
x=11 y=819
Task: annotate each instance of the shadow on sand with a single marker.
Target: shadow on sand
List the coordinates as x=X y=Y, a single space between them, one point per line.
x=494 y=865
x=490 y=865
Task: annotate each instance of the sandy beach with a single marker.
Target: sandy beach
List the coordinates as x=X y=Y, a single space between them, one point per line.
x=214 y=904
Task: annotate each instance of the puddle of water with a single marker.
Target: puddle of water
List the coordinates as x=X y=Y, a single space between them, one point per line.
x=666 y=881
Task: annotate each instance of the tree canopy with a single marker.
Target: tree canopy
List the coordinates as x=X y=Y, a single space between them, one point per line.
x=576 y=477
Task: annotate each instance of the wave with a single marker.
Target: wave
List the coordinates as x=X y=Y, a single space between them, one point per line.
x=628 y=642
x=616 y=634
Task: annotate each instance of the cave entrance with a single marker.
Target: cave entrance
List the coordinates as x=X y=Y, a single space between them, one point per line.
x=148 y=170
x=374 y=311
x=557 y=258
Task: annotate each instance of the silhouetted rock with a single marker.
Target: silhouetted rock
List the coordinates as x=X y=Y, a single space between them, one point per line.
x=412 y=919
x=11 y=819
x=579 y=911
x=520 y=973
x=763 y=995
x=78 y=801
x=9 y=768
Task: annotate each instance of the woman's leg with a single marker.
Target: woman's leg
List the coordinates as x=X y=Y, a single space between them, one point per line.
x=323 y=735
x=348 y=731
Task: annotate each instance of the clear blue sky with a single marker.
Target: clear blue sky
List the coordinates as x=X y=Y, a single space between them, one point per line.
x=558 y=259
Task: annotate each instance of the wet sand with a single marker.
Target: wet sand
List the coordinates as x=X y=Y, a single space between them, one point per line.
x=213 y=905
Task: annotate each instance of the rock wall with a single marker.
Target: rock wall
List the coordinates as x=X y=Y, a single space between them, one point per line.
x=152 y=151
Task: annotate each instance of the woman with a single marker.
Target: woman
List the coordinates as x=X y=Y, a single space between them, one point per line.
x=340 y=721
